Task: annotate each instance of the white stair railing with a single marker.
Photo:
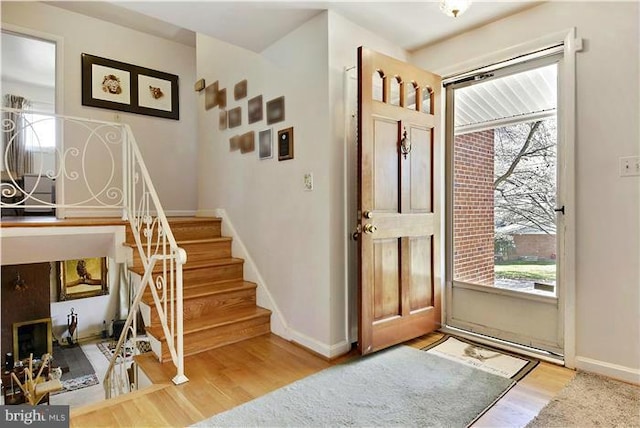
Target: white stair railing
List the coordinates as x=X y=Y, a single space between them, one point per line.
x=95 y=167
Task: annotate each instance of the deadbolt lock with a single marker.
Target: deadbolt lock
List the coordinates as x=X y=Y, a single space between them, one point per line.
x=367 y=214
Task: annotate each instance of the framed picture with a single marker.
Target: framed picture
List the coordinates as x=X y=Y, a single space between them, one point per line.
x=265 y=145
x=82 y=278
x=285 y=144
x=211 y=96
x=240 y=90
x=255 y=109
x=275 y=110
x=235 y=117
x=247 y=142
x=221 y=98
x=234 y=143
x=120 y=86
x=222 y=120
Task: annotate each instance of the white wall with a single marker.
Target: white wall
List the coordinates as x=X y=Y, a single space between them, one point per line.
x=91 y=311
x=608 y=206
x=284 y=228
x=295 y=238
x=168 y=146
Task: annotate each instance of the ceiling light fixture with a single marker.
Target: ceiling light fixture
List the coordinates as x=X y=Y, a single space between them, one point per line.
x=454 y=8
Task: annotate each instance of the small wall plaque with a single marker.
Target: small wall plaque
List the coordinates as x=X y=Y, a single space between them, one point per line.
x=285 y=144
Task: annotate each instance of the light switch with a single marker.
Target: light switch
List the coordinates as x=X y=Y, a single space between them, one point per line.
x=308 y=181
x=629 y=166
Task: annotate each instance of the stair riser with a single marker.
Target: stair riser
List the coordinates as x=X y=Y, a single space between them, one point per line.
x=196 y=307
x=216 y=337
x=213 y=273
x=208 y=274
x=196 y=252
x=188 y=232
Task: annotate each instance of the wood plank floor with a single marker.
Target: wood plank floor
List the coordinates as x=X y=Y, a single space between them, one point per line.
x=226 y=377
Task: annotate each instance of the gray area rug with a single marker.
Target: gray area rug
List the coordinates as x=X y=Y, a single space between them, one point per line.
x=401 y=386
x=590 y=400
x=80 y=374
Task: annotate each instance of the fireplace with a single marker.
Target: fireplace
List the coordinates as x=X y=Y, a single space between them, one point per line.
x=32 y=337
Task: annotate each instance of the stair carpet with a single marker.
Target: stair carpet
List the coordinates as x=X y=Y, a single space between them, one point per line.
x=219 y=305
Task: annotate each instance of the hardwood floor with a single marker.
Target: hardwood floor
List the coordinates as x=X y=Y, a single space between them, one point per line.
x=225 y=377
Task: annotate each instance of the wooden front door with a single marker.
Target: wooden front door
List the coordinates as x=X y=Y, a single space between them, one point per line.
x=398 y=127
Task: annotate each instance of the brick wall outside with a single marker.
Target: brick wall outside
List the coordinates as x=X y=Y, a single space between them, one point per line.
x=540 y=245
x=473 y=225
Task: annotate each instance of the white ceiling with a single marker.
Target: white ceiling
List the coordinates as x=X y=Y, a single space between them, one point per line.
x=255 y=25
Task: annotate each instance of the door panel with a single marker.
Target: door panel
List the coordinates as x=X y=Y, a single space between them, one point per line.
x=385 y=165
x=386 y=285
x=397 y=294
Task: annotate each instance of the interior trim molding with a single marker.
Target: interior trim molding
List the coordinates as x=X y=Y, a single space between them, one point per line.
x=616 y=371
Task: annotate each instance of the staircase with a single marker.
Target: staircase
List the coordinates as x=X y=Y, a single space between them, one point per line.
x=219 y=305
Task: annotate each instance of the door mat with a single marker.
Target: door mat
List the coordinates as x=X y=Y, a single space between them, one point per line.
x=502 y=363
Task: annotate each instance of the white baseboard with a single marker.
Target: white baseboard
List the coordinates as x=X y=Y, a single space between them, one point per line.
x=615 y=371
x=329 y=351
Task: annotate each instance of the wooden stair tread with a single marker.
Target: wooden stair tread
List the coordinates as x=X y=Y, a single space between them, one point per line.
x=191 y=241
x=178 y=220
x=214 y=320
x=197 y=264
x=209 y=289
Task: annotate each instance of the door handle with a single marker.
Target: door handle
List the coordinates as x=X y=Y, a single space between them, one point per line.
x=559 y=210
x=369 y=228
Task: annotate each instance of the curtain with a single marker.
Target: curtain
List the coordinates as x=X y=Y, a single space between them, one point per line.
x=18 y=159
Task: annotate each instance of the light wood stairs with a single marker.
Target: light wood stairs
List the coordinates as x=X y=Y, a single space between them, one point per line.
x=219 y=305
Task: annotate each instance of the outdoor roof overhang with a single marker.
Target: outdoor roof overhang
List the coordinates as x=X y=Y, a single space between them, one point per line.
x=509 y=100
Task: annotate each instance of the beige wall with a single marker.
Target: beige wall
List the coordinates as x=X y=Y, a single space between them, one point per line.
x=607 y=205
x=168 y=146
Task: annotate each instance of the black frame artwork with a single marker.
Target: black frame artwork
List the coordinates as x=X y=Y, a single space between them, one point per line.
x=126 y=87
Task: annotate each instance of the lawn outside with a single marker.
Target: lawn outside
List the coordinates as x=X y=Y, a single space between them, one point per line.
x=540 y=271
x=521 y=275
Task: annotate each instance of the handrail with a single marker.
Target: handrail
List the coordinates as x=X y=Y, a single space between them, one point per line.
x=122 y=182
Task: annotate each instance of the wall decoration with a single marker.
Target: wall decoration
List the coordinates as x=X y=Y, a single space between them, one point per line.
x=247 y=142
x=211 y=96
x=83 y=278
x=285 y=144
x=199 y=85
x=221 y=98
x=120 y=86
x=265 y=144
x=240 y=90
x=255 y=109
x=275 y=110
x=222 y=120
x=234 y=143
x=235 y=117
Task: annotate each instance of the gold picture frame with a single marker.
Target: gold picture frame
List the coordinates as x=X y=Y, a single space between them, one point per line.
x=82 y=278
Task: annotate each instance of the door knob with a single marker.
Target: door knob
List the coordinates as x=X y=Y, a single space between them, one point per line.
x=369 y=228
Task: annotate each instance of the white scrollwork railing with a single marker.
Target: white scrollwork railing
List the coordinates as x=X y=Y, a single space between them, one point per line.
x=97 y=166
